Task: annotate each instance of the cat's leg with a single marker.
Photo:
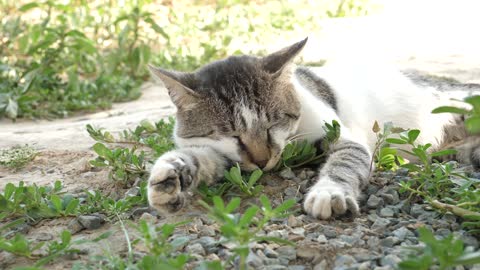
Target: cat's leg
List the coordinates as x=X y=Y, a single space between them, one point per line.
x=175 y=172
x=340 y=181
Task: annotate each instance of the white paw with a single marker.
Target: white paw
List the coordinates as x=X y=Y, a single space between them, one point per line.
x=326 y=199
x=165 y=187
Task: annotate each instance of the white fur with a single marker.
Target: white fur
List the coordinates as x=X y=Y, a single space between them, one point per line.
x=249 y=116
x=227 y=146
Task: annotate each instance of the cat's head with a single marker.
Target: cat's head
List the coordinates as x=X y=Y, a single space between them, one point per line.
x=245 y=107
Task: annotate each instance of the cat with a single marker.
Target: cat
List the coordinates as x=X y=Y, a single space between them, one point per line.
x=245 y=109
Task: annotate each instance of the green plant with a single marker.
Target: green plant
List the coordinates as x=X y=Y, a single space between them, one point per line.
x=125 y=165
x=444 y=253
x=438 y=183
x=242 y=230
x=246 y=185
x=301 y=153
x=36 y=202
x=472 y=116
x=384 y=156
x=17 y=157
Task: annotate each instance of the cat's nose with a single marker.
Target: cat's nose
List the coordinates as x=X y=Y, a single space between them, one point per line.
x=261 y=163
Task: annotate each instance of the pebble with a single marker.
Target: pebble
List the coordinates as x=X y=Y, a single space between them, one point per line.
x=402 y=233
x=287 y=252
x=389 y=260
x=387 y=212
x=74 y=226
x=287 y=173
x=148 y=217
x=380 y=223
x=294 y=221
x=374 y=202
x=91 y=222
x=195 y=249
x=344 y=260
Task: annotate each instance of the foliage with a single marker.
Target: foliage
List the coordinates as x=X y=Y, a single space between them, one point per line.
x=17 y=156
x=439 y=183
x=126 y=166
x=20 y=246
x=61 y=57
x=246 y=185
x=472 y=116
x=444 y=253
x=242 y=230
x=36 y=202
x=301 y=153
x=386 y=157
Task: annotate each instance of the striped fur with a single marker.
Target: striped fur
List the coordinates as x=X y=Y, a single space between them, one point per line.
x=244 y=109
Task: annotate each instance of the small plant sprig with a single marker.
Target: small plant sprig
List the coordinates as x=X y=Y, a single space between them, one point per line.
x=36 y=202
x=242 y=230
x=444 y=253
x=385 y=157
x=247 y=185
x=20 y=246
x=438 y=183
x=301 y=153
x=126 y=166
x=472 y=116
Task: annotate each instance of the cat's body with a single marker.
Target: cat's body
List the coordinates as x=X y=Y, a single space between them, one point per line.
x=245 y=109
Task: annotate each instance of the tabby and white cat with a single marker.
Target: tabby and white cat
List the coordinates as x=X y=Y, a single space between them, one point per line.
x=245 y=109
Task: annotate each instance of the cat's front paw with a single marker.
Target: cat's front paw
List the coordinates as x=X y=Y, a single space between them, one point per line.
x=167 y=183
x=326 y=199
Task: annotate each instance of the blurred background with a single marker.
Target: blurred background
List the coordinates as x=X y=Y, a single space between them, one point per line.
x=59 y=58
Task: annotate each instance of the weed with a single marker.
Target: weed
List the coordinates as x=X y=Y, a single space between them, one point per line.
x=247 y=186
x=472 y=116
x=242 y=230
x=301 y=153
x=126 y=166
x=17 y=157
x=36 y=202
x=438 y=183
x=385 y=157
x=444 y=253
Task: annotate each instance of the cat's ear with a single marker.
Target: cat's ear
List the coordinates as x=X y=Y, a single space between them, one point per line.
x=179 y=86
x=275 y=62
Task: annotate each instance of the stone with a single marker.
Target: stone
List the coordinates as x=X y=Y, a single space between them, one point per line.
x=293 y=221
x=329 y=232
x=254 y=260
x=374 y=202
x=321 y=266
x=287 y=173
x=91 y=222
x=387 y=212
x=322 y=239
x=287 y=252
x=299 y=231
x=380 y=223
x=275 y=267
x=270 y=253
x=402 y=233
x=195 y=249
x=148 y=217
x=344 y=260
x=389 y=260
x=416 y=210
x=206 y=231
x=389 y=241
x=296 y=267
x=208 y=243
x=74 y=226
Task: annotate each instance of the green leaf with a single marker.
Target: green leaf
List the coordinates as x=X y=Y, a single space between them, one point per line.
x=28 y=6
x=265 y=203
x=475 y=102
x=468 y=259
x=247 y=217
x=232 y=205
x=102 y=150
x=444 y=152
x=57 y=202
x=473 y=124
x=11 y=111
x=254 y=177
x=395 y=141
x=413 y=135
x=450 y=109
x=72 y=207
x=274 y=239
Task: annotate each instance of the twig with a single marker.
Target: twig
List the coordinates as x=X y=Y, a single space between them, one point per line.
x=454 y=209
